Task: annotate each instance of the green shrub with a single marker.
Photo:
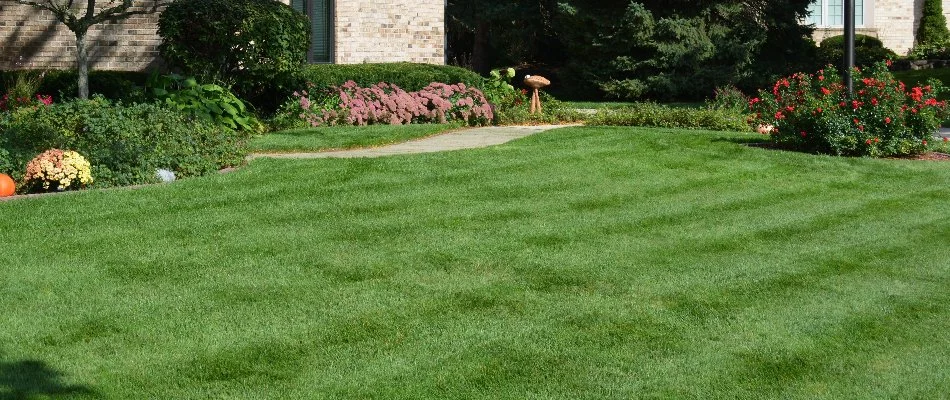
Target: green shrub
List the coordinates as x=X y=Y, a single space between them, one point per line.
x=125 y=144
x=867 y=51
x=254 y=47
x=729 y=98
x=409 y=76
x=662 y=116
x=933 y=25
x=208 y=102
x=125 y=86
x=815 y=113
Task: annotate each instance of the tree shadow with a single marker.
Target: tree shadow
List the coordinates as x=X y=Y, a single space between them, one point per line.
x=30 y=379
x=27 y=44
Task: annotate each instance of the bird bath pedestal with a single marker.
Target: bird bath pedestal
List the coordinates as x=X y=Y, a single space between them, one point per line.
x=536 y=82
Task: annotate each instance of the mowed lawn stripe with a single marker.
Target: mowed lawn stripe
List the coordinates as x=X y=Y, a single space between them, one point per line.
x=577 y=263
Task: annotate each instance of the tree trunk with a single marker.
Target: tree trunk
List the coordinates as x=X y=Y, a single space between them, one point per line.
x=82 y=65
x=480 y=46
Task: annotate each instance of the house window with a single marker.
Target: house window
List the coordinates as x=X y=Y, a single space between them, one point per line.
x=321 y=28
x=830 y=13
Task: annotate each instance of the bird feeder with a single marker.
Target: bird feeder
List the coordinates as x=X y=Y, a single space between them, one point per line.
x=536 y=82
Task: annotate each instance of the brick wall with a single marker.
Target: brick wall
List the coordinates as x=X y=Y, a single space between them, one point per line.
x=389 y=31
x=366 y=31
x=33 y=37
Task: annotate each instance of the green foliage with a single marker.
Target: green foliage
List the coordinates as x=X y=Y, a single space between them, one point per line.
x=678 y=50
x=206 y=102
x=516 y=111
x=729 y=98
x=126 y=86
x=867 y=51
x=814 y=112
x=933 y=25
x=252 y=46
x=662 y=116
x=125 y=144
x=409 y=76
x=498 y=85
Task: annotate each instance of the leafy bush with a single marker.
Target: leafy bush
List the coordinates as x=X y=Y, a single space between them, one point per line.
x=409 y=76
x=813 y=112
x=729 y=98
x=208 y=102
x=933 y=25
x=382 y=103
x=867 y=51
x=125 y=144
x=662 y=116
x=126 y=86
x=252 y=46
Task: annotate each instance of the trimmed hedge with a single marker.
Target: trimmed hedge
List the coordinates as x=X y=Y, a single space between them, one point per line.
x=867 y=51
x=63 y=84
x=408 y=76
x=661 y=116
x=125 y=144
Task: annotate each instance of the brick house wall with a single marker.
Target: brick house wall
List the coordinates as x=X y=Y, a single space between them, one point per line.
x=390 y=31
x=365 y=31
x=894 y=22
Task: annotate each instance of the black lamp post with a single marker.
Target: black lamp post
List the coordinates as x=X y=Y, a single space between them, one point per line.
x=848 y=44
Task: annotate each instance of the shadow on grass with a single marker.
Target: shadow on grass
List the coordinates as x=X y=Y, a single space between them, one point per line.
x=31 y=379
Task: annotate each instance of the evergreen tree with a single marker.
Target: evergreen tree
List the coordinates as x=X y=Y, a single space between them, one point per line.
x=933 y=25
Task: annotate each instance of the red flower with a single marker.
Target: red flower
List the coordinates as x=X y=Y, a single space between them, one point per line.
x=925 y=142
x=931 y=102
x=877 y=140
x=818 y=109
x=856 y=104
x=868 y=142
x=861 y=128
x=821 y=78
x=874 y=101
x=804 y=134
x=825 y=91
x=946 y=139
x=790 y=108
x=887 y=120
x=778 y=115
x=856 y=121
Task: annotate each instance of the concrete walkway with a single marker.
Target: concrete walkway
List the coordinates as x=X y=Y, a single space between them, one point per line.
x=457 y=140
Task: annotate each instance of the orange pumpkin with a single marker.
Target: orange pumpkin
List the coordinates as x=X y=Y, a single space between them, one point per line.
x=7 y=186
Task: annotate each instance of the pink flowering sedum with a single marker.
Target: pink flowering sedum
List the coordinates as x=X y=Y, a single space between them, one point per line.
x=384 y=103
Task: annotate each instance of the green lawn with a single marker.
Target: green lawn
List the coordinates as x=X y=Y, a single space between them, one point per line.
x=581 y=263
x=920 y=76
x=343 y=137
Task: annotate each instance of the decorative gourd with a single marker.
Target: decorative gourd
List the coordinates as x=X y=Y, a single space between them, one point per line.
x=7 y=186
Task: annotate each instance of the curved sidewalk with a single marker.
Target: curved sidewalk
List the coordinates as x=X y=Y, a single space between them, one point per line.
x=456 y=140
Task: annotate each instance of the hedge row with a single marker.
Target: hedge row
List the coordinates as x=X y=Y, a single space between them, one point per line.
x=128 y=86
x=409 y=76
x=63 y=84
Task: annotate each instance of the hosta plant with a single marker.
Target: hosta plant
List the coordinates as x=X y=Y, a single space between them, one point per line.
x=58 y=170
x=882 y=118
